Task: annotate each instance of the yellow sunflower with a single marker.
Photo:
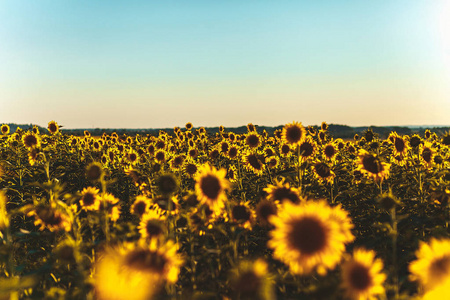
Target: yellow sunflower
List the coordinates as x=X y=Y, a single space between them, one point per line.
x=282 y=191
x=210 y=186
x=252 y=139
x=323 y=172
x=362 y=276
x=432 y=266
x=372 y=166
x=31 y=140
x=139 y=271
x=140 y=206
x=307 y=149
x=243 y=215
x=4 y=129
x=307 y=237
x=253 y=163
x=400 y=146
x=53 y=127
x=329 y=151
x=152 y=224
x=293 y=133
x=90 y=199
x=252 y=280
x=426 y=152
x=51 y=218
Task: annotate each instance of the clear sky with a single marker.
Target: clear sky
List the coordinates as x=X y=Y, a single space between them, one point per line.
x=142 y=64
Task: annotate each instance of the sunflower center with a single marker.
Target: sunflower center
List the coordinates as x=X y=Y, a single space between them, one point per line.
x=359 y=277
x=240 y=213
x=426 y=155
x=329 y=151
x=322 y=170
x=265 y=210
x=285 y=149
x=440 y=268
x=191 y=169
x=308 y=235
x=306 y=149
x=30 y=140
x=52 y=127
x=88 y=199
x=293 y=134
x=254 y=162
x=372 y=164
x=145 y=260
x=139 y=208
x=232 y=153
x=153 y=228
x=210 y=186
x=399 y=144
x=160 y=156
x=252 y=141
x=282 y=193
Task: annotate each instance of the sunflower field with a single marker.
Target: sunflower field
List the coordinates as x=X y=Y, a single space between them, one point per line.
x=189 y=214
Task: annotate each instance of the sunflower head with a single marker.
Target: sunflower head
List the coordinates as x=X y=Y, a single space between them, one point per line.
x=308 y=237
x=372 y=166
x=53 y=127
x=90 y=199
x=4 y=129
x=362 y=276
x=167 y=184
x=210 y=186
x=251 y=280
x=293 y=133
x=94 y=171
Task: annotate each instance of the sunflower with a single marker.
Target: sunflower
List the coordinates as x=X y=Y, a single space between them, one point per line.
x=251 y=127
x=293 y=133
x=152 y=224
x=372 y=166
x=90 y=199
x=33 y=156
x=177 y=162
x=139 y=271
x=243 y=215
x=31 y=140
x=400 y=145
x=53 y=127
x=252 y=280
x=190 y=168
x=94 y=171
x=140 y=205
x=265 y=209
x=282 y=191
x=160 y=156
x=252 y=140
x=189 y=126
x=233 y=152
x=112 y=204
x=307 y=237
x=323 y=172
x=426 y=153
x=132 y=157
x=252 y=163
x=307 y=148
x=4 y=129
x=272 y=161
x=432 y=266
x=51 y=218
x=210 y=186
x=285 y=150
x=361 y=275
x=330 y=151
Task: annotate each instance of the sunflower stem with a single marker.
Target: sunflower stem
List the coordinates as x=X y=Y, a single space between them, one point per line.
x=394 y=235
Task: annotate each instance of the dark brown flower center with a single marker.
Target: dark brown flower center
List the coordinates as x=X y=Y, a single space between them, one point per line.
x=281 y=193
x=306 y=149
x=329 y=151
x=252 y=140
x=372 y=164
x=307 y=235
x=142 y=259
x=30 y=140
x=254 y=162
x=88 y=199
x=153 y=228
x=240 y=213
x=322 y=170
x=139 y=208
x=293 y=134
x=399 y=144
x=359 y=277
x=210 y=186
x=426 y=155
x=191 y=169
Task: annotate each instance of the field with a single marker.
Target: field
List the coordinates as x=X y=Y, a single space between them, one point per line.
x=191 y=215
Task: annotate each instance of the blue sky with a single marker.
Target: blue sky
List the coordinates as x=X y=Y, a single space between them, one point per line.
x=138 y=64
